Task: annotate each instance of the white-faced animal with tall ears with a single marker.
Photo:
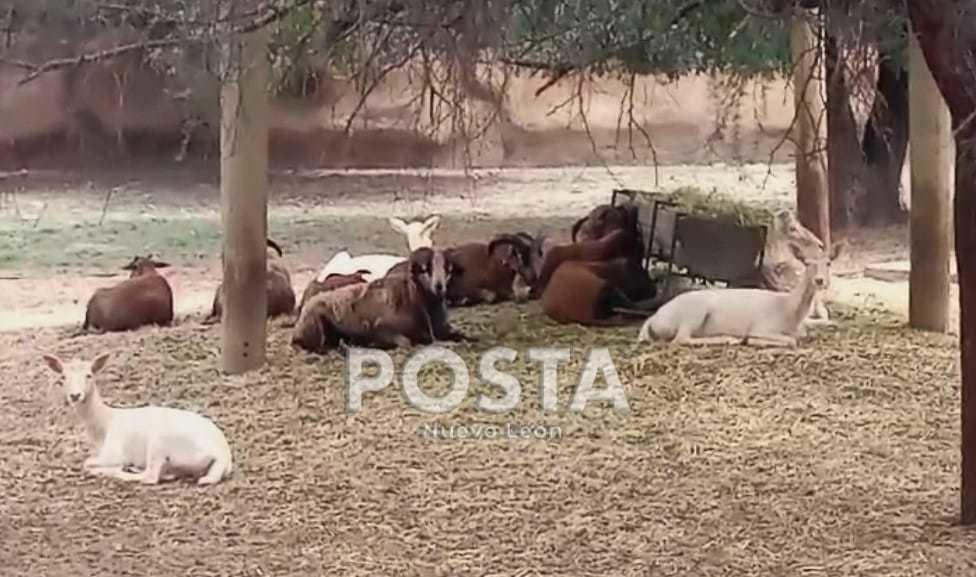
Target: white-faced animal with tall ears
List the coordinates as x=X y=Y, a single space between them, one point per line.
x=789 y=247
x=738 y=315
x=418 y=233
x=148 y=444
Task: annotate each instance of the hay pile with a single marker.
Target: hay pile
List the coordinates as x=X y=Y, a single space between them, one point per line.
x=714 y=204
x=839 y=458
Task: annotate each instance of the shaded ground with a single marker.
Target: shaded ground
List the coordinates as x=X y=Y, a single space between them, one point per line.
x=62 y=237
x=839 y=458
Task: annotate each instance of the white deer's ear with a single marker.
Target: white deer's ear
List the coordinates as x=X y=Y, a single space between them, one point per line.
x=397 y=224
x=431 y=223
x=54 y=363
x=99 y=362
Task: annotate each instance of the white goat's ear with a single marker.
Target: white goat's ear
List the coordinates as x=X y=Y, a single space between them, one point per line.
x=397 y=224
x=55 y=363
x=431 y=223
x=99 y=362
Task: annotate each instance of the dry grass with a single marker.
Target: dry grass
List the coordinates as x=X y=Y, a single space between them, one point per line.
x=716 y=204
x=839 y=458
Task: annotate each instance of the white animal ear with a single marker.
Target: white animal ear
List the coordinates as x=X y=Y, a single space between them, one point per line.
x=55 y=363
x=397 y=224
x=99 y=362
x=431 y=223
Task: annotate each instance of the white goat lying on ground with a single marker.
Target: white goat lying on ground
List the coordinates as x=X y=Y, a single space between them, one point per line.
x=733 y=315
x=165 y=443
x=373 y=266
x=418 y=233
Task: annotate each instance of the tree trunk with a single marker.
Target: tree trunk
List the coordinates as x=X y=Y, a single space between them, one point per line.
x=812 y=200
x=844 y=156
x=935 y=23
x=928 y=288
x=244 y=195
x=885 y=139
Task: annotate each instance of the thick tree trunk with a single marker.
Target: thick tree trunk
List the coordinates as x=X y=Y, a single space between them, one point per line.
x=935 y=23
x=885 y=139
x=244 y=194
x=844 y=156
x=812 y=200
x=931 y=136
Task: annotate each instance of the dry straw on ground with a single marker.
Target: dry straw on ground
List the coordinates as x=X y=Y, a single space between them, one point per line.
x=839 y=458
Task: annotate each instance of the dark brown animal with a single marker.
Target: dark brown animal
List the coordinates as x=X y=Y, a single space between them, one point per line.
x=399 y=310
x=604 y=219
x=281 y=296
x=545 y=257
x=332 y=282
x=588 y=292
x=145 y=298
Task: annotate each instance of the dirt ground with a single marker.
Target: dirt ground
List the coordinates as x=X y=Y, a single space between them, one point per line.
x=840 y=457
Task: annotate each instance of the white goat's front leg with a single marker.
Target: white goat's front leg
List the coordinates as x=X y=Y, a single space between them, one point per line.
x=705 y=341
x=154 y=469
x=487 y=296
x=770 y=339
x=107 y=457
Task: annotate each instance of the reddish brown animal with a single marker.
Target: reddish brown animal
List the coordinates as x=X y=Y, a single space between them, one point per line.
x=489 y=276
x=588 y=292
x=145 y=298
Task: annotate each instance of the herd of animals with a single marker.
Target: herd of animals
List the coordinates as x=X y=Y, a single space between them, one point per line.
x=386 y=301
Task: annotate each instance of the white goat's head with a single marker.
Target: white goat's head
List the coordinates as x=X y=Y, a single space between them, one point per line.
x=801 y=240
x=77 y=376
x=419 y=233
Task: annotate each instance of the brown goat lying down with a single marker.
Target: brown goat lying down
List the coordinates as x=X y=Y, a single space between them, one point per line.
x=587 y=292
x=488 y=276
x=397 y=310
x=145 y=298
x=281 y=297
x=545 y=257
x=331 y=283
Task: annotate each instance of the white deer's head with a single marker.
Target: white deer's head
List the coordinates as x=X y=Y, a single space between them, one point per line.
x=419 y=233
x=77 y=376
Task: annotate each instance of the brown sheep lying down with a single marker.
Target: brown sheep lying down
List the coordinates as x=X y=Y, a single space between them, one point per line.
x=398 y=310
x=588 y=292
x=331 y=282
x=145 y=298
x=281 y=297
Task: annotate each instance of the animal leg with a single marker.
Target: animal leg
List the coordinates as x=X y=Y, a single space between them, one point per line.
x=387 y=338
x=154 y=468
x=119 y=473
x=820 y=310
x=488 y=296
x=770 y=339
x=705 y=341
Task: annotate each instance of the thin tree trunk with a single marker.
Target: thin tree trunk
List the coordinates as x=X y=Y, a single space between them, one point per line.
x=244 y=194
x=844 y=156
x=931 y=136
x=935 y=22
x=812 y=199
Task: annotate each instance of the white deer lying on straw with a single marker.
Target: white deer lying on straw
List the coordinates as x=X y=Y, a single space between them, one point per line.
x=165 y=443
x=734 y=315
